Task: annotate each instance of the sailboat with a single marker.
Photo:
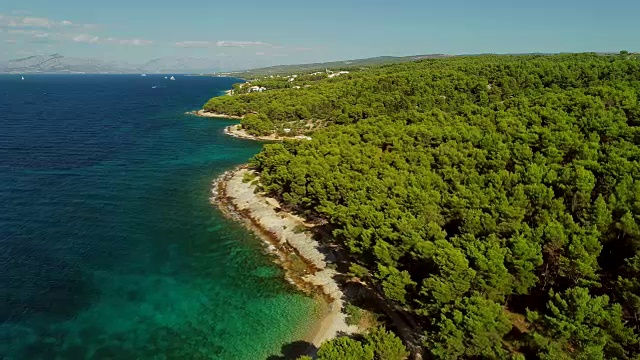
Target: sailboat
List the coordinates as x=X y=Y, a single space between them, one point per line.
x=172 y=78
x=23 y=78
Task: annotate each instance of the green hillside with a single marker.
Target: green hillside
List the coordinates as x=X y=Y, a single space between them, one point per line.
x=495 y=198
x=335 y=65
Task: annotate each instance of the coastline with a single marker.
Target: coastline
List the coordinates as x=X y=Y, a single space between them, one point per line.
x=310 y=264
x=237 y=132
x=207 y=114
x=305 y=261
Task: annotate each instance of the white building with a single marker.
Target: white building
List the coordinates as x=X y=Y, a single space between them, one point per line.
x=257 y=89
x=338 y=73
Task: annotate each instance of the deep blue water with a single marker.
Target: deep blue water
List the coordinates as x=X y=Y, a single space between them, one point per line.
x=109 y=246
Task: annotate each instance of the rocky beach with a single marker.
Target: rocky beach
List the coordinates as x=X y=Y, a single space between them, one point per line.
x=291 y=238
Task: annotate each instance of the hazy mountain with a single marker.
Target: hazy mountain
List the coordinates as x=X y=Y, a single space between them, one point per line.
x=56 y=63
x=188 y=65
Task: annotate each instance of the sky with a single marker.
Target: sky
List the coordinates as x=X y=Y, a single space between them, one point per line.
x=252 y=33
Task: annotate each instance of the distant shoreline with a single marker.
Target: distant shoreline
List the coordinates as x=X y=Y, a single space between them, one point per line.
x=207 y=114
x=237 y=132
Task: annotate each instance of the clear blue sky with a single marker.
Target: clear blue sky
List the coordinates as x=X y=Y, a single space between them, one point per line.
x=262 y=32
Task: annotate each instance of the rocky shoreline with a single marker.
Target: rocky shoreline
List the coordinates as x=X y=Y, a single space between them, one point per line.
x=291 y=239
x=207 y=114
x=237 y=132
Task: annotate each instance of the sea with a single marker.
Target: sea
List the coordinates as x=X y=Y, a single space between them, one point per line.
x=109 y=245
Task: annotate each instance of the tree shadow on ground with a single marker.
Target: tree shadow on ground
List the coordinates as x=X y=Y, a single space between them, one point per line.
x=294 y=350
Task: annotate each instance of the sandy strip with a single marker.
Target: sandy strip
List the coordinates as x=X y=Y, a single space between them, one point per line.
x=238 y=132
x=208 y=114
x=285 y=233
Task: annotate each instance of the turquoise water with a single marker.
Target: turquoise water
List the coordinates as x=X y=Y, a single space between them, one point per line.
x=109 y=246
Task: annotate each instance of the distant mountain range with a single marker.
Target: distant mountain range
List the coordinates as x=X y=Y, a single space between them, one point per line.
x=60 y=64
x=56 y=63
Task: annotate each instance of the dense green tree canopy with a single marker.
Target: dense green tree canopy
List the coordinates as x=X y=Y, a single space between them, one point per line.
x=476 y=190
x=378 y=344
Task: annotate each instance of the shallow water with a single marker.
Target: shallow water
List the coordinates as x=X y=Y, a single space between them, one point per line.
x=109 y=247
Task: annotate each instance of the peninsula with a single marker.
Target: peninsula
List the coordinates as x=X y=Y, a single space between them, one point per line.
x=208 y=114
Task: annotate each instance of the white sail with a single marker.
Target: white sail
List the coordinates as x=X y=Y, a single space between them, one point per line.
x=23 y=78
x=172 y=78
